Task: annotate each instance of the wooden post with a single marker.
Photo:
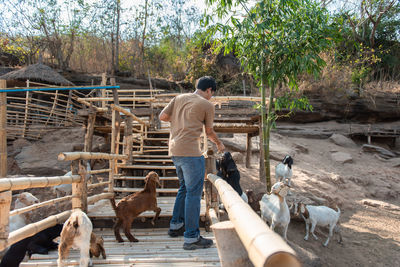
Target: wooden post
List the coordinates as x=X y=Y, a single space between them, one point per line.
x=248 y=150
x=3 y=130
x=5 y=202
x=89 y=132
x=103 y=91
x=79 y=189
x=230 y=249
x=128 y=149
x=5 y=197
x=210 y=192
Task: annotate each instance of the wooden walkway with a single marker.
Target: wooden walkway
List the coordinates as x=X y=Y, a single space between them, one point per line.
x=103 y=209
x=155 y=248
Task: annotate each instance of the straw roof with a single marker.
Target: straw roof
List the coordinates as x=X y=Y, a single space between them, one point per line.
x=37 y=72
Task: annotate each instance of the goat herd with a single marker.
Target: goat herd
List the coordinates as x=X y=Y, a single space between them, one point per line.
x=273 y=207
x=77 y=230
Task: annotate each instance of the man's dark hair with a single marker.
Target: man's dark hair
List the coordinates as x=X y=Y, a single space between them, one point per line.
x=206 y=82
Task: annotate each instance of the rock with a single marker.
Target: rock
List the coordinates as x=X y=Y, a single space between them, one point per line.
x=341 y=157
x=238 y=157
x=377 y=149
x=301 y=149
x=380 y=204
x=342 y=140
x=395 y=162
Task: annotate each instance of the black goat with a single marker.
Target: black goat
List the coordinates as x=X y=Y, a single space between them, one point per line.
x=228 y=171
x=40 y=243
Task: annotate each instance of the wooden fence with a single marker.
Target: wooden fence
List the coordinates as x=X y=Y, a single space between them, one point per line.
x=79 y=196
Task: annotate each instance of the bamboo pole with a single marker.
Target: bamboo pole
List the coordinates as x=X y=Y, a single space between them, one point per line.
x=127 y=113
x=39 y=205
x=3 y=130
x=35 y=182
x=34 y=228
x=27 y=100
x=88 y=155
x=97 y=185
x=93 y=199
x=109 y=99
x=98 y=171
x=264 y=246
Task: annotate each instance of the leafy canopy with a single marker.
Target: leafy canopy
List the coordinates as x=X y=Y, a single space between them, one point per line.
x=287 y=35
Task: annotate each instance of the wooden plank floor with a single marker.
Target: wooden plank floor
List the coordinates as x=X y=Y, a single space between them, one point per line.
x=155 y=248
x=103 y=209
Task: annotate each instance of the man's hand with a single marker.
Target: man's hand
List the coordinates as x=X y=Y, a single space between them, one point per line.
x=220 y=147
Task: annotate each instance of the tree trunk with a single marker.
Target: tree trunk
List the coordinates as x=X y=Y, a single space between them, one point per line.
x=265 y=129
x=117 y=37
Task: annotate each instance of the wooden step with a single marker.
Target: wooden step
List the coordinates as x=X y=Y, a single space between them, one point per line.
x=103 y=210
x=162 y=131
x=141 y=178
x=150 y=156
x=153 y=160
x=146 y=167
x=156 y=139
x=151 y=147
x=133 y=190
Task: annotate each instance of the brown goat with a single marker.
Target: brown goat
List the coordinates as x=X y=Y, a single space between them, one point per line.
x=97 y=246
x=131 y=206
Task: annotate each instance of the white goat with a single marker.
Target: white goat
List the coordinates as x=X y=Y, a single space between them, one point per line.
x=274 y=209
x=23 y=200
x=76 y=233
x=283 y=170
x=66 y=189
x=320 y=215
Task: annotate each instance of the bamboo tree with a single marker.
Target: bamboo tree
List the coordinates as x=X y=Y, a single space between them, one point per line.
x=288 y=35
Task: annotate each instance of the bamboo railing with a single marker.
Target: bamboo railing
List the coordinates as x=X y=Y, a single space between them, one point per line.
x=264 y=247
x=79 y=197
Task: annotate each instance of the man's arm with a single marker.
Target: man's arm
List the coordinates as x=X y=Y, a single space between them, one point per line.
x=214 y=138
x=164 y=116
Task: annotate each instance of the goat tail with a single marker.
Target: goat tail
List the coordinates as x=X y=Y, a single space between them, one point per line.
x=114 y=206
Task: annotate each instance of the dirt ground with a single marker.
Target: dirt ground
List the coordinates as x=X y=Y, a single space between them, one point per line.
x=366 y=188
x=367 y=191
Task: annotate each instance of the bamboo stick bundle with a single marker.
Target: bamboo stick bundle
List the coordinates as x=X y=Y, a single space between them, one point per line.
x=88 y=155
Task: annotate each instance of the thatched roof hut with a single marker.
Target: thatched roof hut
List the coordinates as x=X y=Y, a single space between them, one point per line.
x=38 y=73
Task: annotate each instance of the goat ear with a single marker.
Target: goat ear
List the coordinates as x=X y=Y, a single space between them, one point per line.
x=302 y=208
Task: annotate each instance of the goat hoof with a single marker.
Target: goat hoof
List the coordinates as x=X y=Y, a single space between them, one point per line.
x=120 y=241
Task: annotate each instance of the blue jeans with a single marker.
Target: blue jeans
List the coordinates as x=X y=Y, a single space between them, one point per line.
x=191 y=171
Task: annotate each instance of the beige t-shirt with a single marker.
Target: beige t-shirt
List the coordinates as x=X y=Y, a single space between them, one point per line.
x=188 y=112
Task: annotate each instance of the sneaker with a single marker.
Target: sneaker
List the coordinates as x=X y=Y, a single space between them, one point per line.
x=177 y=232
x=201 y=243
